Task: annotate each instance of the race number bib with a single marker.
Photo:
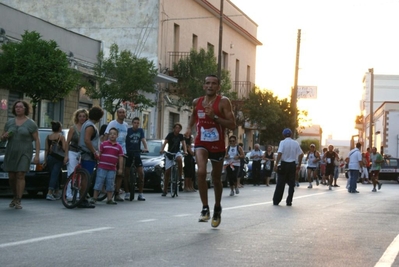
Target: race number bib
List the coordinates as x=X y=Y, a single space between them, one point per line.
x=209 y=135
x=201 y=114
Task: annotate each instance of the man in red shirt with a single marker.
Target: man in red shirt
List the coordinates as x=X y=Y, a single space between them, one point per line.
x=212 y=113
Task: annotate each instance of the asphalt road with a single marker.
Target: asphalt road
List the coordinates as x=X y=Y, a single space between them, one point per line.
x=322 y=228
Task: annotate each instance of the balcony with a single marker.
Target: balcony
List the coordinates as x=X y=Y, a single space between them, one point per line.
x=174 y=57
x=242 y=88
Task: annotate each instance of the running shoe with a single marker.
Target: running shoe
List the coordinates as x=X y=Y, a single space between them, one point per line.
x=50 y=197
x=141 y=197
x=164 y=194
x=374 y=190
x=329 y=187
x=310 y=186
x=297 y=184
x=111 y=202
x=379 y=186
x=216 y=218
x=237 y=191
x=232 y=192
x=127 y=196
x=317 y=182
x=205 y=215
x=118 y=198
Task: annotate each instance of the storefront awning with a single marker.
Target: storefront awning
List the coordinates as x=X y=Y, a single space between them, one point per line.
x=163 y=78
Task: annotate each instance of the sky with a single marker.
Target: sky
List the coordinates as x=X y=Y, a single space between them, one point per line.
x=340 y=41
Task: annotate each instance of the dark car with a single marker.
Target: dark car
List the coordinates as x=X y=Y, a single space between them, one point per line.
x=389 y=169
x=37 y=179
x=153 y=165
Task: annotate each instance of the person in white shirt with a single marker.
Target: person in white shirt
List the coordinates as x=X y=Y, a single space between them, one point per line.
x=289 y=152
x=256 y=156
x=355 y=163
x=313 y=158
x=234 y=154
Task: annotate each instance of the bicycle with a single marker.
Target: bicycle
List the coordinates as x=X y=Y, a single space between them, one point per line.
x=174 y=176
x=80 y=182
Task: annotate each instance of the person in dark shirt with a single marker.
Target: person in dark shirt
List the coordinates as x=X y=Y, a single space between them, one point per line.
x=174 y=140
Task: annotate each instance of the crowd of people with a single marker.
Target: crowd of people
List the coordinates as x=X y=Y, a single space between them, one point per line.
x=117 y=146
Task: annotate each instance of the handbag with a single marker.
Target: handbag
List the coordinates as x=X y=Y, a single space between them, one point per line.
x=57 y=150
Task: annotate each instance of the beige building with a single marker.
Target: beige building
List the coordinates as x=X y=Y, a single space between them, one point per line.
x=160 y=30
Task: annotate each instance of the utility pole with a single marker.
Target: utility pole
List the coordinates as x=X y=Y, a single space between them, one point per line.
x=371 y=115
x=220 y=40
x=294 y=92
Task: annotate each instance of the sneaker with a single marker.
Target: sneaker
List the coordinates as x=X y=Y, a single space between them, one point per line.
x=141 y=197
x=329 y=187
x=57 y=196
x=50 y=197
x=216 y=218
x=111 y=202
x=374 y=190
x=310 y=186
x=18 y=204
x=205 y=215
x=297 y=184
x=127 y=196
x=232 y=192
x=12 y=204
x=237 y=191
x=164 y=194
x=118 y=198
x=86 y=205
x=317 y=182
x=379 y=186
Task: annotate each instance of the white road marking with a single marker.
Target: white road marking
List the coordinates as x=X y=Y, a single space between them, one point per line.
x=182 y=215
x=33 y=240
x=148 y=220
x=389 y=256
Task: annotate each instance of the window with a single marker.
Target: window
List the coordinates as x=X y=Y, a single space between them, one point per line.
x=195 y=42
x=173 y=118
x=210 y=47
x=50 y=111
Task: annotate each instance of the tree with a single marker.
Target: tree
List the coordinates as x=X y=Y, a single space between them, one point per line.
x=191 y=72
x=270 y=114
x=38 y=68
x=305 y=144
x=123 y=77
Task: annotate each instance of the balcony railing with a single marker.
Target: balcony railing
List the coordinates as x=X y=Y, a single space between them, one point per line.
x=174 y=57
x=242 y=88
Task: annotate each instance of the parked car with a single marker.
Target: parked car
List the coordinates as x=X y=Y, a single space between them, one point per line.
x=37 y=179
x=153 y=165
x=389 y=169
x=303 y=175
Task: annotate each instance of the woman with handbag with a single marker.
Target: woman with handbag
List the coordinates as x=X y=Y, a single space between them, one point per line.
x=54 y=155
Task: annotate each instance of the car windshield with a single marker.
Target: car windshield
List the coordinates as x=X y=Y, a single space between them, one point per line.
x=154 y=147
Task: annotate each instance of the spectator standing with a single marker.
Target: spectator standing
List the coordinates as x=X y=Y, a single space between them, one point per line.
x=376 y=160
x=189 y=165
x=212 y=113
x=364 y=177
x=289 y=152
x=322 y=166
x=241 y=169
x=329 y=157
x=80 y=116
x=269 y=164
x=174 y=140
x=20 y=132
x=134 y=138
x=234 y=154
x=54 y=161
x=111 y=156
x=122 y=126
x=355 y=163
x=89 y=140
x=256 y=156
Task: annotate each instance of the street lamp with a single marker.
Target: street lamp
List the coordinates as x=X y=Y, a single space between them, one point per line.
x=371 y=71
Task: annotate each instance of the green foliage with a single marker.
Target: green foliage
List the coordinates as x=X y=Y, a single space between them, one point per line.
x=123 y=77
x=305 y=144
x=191 y=72
x=37 y=68
x=270 y=114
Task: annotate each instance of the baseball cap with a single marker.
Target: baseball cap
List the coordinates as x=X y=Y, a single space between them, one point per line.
x=287 y=132
x=313 y=145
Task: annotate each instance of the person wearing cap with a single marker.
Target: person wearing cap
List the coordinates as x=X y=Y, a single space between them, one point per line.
x=312 y=158
x=289 y=152
x=174 y=139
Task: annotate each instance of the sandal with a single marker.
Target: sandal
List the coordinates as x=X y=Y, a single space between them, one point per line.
x=12 y=204
x=18 y=204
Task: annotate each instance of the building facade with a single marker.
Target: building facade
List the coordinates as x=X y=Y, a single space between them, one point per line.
x=13 y=24
x=159 y=30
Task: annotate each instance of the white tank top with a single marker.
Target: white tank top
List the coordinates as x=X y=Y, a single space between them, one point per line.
x=311 y=158
x=232 y=153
